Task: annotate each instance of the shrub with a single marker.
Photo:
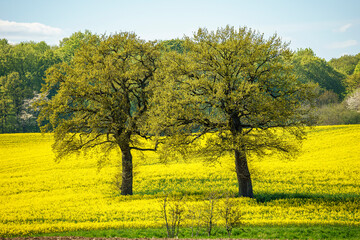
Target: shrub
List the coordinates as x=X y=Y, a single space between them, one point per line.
x=337 y=114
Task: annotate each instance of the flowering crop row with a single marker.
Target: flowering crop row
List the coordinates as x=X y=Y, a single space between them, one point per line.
x=320 y=186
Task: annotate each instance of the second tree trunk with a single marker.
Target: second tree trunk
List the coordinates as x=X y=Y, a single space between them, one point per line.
x=127 y=171
x=243 y=175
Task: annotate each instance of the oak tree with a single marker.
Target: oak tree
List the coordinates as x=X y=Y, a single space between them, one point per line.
x=101 y=98
x=232 y=91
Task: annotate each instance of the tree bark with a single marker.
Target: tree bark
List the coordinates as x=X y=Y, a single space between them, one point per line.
x=242 y=169
x=243 y=175
x=127 y=171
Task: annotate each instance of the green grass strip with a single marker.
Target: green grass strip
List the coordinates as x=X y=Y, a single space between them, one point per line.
x=257 y=232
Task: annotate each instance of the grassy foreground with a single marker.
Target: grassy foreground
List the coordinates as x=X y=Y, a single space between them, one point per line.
x=245 y=232
x=316 y=195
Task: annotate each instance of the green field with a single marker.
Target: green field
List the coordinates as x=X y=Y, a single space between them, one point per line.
x=317 y=192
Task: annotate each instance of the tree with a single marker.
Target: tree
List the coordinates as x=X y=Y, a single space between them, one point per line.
x=4 y=53
x=15 y=90
x=345 y=64
x=22 y=69
x=6 y=108
x=353 y=101
x=338 y=114
x=353 y=81
x=232 y=92
x=102 y=97
x=311 y=68
x=357 y=68
x=70 y=45
x=29 y=114
x=173 y=45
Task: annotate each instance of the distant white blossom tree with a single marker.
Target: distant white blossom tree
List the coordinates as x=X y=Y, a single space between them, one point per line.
x=353 y=101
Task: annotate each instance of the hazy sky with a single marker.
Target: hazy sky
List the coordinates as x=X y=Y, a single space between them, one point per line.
x=331 y=28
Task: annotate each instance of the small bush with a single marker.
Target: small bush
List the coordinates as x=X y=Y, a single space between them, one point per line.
x=173 y=209
x=231 y=213
x=337 y=114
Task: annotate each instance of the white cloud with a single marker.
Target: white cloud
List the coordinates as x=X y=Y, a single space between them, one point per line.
x=8 y=27
x=343 y=28
x=17 y=32
x=344 y=44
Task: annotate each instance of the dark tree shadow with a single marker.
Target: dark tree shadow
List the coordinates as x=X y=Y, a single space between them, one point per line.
x=269 y=197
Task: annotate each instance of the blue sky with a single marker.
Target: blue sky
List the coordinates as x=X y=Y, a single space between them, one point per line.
x=331 y=28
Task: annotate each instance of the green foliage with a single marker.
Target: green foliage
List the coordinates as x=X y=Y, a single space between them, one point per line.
x=233 y=82
x=173 y=45
x=337 y=114
x=4 y=52
x=14 y=91
x=345 y=64
x=326 y=97
x=353 y=81
x=102 y=93
x=22 y=69
x=357 y=68
x=31 y=60
x=310 y=68
x=229 y=76
x=70 y=45
x=101 y=97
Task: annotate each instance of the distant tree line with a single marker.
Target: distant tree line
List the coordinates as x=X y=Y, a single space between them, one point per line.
x=23 y=67
x=22 y=71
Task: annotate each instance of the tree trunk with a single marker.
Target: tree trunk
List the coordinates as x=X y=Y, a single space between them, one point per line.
x=243 y=175
x=242 y=170
x=127 y=171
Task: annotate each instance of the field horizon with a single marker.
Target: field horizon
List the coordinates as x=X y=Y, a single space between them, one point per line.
x=320 y=187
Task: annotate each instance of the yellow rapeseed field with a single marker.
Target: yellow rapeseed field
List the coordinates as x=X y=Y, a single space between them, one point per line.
x=38 y=195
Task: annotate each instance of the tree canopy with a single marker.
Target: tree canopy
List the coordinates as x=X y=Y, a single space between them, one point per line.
x=310 y=68
x=353 y=81
x=30 y=60
x=101 y=98
x=235 y=84
x=173 y=45
x=22 y=69
x=345 y=64
x=68 y=46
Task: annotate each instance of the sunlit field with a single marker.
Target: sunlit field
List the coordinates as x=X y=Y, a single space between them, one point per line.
x=37 y=195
